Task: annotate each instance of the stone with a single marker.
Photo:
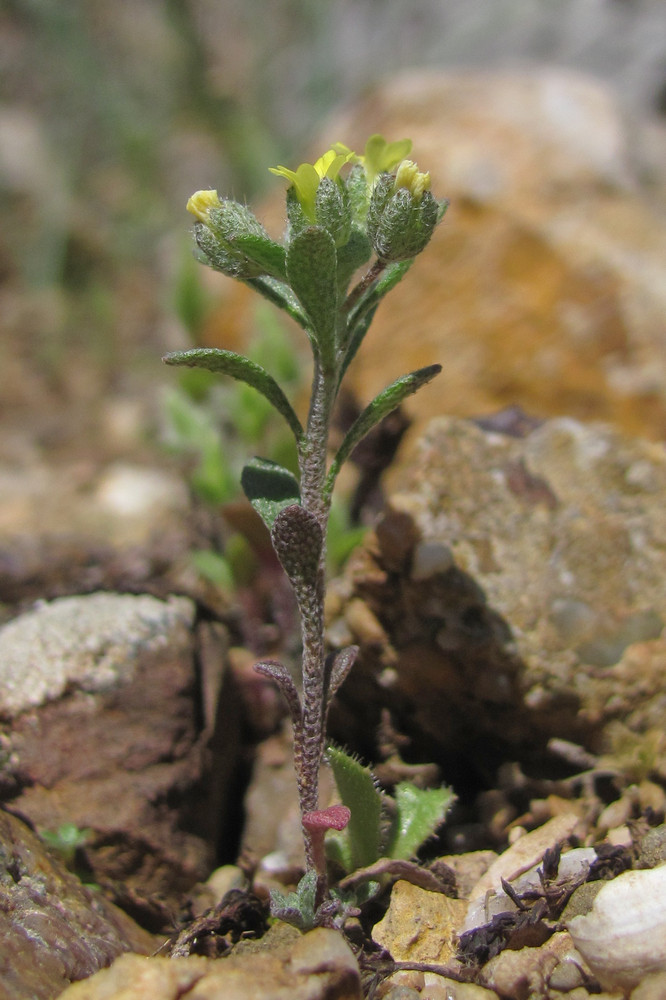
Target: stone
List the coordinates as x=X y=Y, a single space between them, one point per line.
x=102 y=730
x=653 y=987
x=520 y=973
x=522 y=856
x=319 y=966
x=54 y=929
x=469 y=868
x=549 y=623
x=623 y=937
x=78 y=526
x=545 y=286
x=420 y=926
x=443 y=988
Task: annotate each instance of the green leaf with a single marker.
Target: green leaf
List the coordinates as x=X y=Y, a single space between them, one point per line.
x=271 y=256
x=342 y=537
x=419 y=812
x=381 y=405
x=269 y=488
x=311 y=269
x=357 y=789
x=229 y=363
x=297 y=908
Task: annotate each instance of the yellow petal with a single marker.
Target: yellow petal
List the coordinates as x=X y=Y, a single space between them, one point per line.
x=201 y=203
x=408 y=176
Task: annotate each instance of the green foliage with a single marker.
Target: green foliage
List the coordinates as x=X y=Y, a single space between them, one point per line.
x=216 y=424
x=269 y=488
x=65 y=840
x=214 y=567
x=359 y=844
x=191 y=301
x=383 y=404
x=214 y=359
x=297 y=908
x=191 y=429
x=416 y=814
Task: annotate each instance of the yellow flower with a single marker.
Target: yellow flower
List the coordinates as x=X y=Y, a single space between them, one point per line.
x=381 y=156
x=201 y=203
x=306 y=178
x=408 y=176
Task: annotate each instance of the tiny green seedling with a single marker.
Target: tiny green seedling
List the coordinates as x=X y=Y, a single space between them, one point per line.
x=381 y=826
x=373 y=221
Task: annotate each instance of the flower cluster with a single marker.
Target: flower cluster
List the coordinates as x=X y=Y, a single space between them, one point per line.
x=384 y=197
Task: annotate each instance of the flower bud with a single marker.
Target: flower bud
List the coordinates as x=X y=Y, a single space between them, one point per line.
x=403 y=214
x=219 y=233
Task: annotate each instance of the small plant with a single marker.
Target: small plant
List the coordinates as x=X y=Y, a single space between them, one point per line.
x=377 y=218
x=381 y=826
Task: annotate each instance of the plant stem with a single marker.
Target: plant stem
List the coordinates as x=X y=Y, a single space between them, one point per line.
x=311 y=738
x=368 y=278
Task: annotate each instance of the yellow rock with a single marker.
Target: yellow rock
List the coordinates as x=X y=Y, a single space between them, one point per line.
x=420 y=926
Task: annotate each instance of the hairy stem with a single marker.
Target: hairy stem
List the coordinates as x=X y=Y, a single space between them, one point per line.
x=313 y=498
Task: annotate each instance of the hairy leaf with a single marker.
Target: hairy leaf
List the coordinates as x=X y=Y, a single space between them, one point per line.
x=360 y=844
x=311 y=269
x=383 y=404
x=297 y=908
x=297 y=539
x=280 y=295
x=281 y=676
x=419 y=812
x=271 y=256
x=237 y=366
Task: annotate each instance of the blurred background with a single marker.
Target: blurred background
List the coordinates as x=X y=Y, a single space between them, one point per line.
x=114 y=111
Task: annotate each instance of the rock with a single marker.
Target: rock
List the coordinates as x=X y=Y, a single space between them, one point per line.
x=78 y=526
x=518 y=859
x=623 y=937
x=653 y=987
x=443 y=988
x=468 y=869
x=420 y=926
x=549 y=622
x=531 y=971
x=100 y=700
x=54 y=929
x=319 y=966
x=546 y=284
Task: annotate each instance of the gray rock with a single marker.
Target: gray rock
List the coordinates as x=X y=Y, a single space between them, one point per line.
x=549 y=622
x=89 y=644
